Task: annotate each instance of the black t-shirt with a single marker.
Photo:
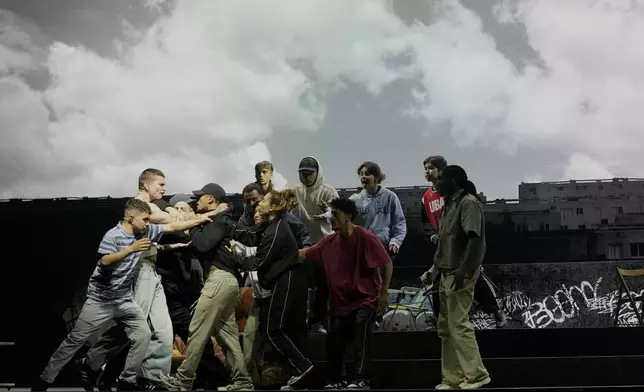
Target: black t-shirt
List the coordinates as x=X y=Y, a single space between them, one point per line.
x=180 y=271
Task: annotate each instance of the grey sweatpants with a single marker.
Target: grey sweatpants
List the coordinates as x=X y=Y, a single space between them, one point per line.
x=157 y=360
x=92 y=317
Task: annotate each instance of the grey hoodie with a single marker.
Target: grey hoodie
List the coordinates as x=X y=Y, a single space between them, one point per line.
x=308 y=199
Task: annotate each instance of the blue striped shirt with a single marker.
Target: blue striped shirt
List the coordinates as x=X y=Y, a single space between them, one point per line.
x=115 y=282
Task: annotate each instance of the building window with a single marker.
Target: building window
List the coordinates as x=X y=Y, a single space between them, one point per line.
x=598 y=210
x=547 y=226
x=566 y=212
x=614 y=251
x=582 y=227
x=601 y=187
x=580 y=211
x=580 y=188
x=620 y=210
x=637 y=249
x=560 y=189
x=564 y=227
x=603 y=222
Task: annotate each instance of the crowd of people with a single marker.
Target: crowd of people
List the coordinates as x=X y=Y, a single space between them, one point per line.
x=169 y=274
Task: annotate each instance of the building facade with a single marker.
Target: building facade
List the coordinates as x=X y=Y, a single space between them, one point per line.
x=571 y=205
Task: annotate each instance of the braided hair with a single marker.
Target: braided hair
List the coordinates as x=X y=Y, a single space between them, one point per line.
x=459 y=176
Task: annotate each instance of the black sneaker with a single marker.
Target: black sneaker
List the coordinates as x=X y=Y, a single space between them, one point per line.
x=88 y=375
x=105 y=380
x=123 y=385
x=335 y=385
x=40 y=385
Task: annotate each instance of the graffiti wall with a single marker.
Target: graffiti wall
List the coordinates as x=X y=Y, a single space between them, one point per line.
x=552 y=295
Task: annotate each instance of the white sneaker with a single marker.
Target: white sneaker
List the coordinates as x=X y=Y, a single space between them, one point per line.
x=297 y=378
x=475 y=385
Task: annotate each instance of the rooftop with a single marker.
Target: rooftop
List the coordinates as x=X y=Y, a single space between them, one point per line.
x=611 y=180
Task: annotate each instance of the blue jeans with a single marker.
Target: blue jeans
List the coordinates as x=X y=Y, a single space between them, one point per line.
x=157 y=360
x=92 y=317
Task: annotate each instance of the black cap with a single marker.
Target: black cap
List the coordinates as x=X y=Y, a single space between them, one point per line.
x=212 y=189
x=309 y=164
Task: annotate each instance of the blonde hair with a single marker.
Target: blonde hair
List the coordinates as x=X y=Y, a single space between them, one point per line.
x=283 y=201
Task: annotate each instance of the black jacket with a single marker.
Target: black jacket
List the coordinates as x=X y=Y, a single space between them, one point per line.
x=276 y=250
x=301 y=233
x=181 y=281
x=210 y=242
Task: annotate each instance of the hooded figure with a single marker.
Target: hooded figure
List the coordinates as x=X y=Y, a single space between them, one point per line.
x=312 y=196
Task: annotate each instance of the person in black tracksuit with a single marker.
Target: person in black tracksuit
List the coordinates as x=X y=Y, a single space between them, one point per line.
x=280 y=271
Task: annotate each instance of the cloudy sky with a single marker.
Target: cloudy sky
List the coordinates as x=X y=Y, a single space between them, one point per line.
x=94 y=91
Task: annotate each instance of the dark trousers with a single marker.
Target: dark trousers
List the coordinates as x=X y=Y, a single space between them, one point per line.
x=353 y=330
x=483 y=295
x=319 y=301
x=285 y=322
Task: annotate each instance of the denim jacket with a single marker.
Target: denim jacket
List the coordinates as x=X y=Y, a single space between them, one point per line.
x=381 y=213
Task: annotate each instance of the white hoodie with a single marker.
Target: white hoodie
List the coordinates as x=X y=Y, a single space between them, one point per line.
x=308 y=199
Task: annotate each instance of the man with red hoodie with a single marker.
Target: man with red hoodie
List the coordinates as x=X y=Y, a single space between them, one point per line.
x=432 y=209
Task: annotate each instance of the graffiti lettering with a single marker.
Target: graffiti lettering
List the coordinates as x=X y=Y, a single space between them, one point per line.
x=567 y=303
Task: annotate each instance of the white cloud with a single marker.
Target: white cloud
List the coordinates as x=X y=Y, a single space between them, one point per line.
x=582 y=167
x=198 y=93
x=585 y=101
x=195 y=96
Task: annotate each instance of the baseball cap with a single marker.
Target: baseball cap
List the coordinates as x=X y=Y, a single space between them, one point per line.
x=181 y=197
x=308 y=164
x=212 y=189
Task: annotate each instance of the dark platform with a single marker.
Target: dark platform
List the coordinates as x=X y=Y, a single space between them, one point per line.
x=566 y=359
x=555 y=357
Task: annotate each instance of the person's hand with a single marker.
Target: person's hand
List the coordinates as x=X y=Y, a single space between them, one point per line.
x=381 y=305
x=141 y=245
x=425 y=277
x=459 y=278
x=179 y=344
x=231 y=246
x=319 y=217
x=204 y=219
x=429 y=276
x=393 y=248
x=323 y=206
x=221 y=208
x=434 y=239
